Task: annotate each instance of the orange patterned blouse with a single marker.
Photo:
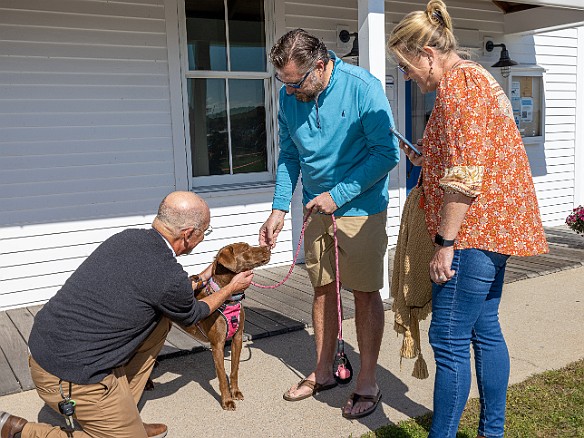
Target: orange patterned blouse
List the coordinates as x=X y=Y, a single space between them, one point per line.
x=472 y=146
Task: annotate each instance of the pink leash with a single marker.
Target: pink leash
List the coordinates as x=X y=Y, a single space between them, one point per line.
x=342 y=369
x=261 y=286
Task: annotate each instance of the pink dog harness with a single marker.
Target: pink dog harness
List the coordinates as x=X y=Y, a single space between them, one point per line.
x=231 y=313
x=230 y=310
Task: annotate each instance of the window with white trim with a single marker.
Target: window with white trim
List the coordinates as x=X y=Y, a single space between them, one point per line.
x=228 y=92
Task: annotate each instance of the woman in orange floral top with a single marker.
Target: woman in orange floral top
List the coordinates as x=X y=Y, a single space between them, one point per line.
x=480 y=208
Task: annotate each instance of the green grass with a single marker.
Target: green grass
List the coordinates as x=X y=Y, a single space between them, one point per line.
x=547 y=405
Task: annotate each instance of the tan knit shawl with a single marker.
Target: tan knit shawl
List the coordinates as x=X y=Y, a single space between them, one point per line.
x=411 y=287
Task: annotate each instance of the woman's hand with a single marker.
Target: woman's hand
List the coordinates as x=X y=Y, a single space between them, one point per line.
x=441 y=263
x=416 y=159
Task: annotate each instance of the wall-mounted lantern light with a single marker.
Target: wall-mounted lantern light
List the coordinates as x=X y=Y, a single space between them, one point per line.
x=505 y=62
x=345 y=36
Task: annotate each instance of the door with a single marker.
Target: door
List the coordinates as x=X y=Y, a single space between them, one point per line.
x=418 y=109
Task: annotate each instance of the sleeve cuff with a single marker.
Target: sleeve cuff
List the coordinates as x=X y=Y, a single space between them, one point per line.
x=467 y=180
x=281 y=204
x=338 y=196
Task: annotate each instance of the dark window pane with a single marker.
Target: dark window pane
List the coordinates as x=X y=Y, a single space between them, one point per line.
x=206 y=43
x=208 y=123
x=247 y=37
x=248 y=125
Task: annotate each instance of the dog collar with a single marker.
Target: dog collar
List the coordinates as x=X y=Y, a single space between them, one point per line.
x=235 y=298
x=213 y=285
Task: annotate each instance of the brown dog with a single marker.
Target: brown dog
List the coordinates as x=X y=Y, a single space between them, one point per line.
x=230 y=260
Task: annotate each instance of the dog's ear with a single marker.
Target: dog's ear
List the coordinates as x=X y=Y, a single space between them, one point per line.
x=226 y=257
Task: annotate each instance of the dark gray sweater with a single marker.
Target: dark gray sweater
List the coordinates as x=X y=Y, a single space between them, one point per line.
x=110 y=305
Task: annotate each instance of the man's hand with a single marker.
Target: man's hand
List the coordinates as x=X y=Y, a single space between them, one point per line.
x=241 y=281
x=440 y=265
x=207 y=273
x=323 y=203
x=238 y=283
x=271 y=228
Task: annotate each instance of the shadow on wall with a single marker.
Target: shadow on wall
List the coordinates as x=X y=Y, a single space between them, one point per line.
x=537 y=159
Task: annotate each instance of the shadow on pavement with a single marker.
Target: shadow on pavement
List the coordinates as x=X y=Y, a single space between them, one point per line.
x=296 y=351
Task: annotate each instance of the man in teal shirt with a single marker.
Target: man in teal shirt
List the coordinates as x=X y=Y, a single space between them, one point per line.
x=334 y=121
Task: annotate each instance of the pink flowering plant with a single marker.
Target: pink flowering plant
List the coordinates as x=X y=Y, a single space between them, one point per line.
x=576 y=220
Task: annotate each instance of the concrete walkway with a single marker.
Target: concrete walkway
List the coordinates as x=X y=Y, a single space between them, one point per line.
x=543 y=320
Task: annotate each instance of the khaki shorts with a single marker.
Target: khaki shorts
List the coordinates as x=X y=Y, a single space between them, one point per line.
x=362 y=247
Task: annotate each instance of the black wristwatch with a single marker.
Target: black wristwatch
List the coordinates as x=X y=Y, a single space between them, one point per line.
x=441 y=241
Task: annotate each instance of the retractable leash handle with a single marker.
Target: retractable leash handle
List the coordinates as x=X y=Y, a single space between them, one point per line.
x=342 y=369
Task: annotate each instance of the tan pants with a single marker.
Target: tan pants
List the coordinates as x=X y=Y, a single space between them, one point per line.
x=106 y=409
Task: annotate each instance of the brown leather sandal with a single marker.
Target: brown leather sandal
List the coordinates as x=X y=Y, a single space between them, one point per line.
x=355 y=398
x=315 y=387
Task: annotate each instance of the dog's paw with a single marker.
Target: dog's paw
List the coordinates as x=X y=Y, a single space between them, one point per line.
x=237 y=395
x=228 y=405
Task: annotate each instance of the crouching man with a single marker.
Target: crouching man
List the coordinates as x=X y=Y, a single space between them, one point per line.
x=95 y=342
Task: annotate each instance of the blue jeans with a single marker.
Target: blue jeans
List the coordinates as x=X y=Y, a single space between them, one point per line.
x=465 y=310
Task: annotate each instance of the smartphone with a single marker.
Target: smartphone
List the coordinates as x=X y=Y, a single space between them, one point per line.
x=405 y=140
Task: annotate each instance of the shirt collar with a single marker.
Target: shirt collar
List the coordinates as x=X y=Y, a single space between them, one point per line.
x=336 y=62
x=167 y=242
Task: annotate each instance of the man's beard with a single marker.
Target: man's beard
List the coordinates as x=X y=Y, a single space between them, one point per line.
x=310 y=94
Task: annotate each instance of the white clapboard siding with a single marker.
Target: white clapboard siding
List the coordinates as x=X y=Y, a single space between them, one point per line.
x=553 y=170
x=85 y=129
x=86 y=141
x=35 y=260
x=480 y=16
x=555 y=194
x=18 y=278
x=558 y=217
x=560 y=110
x=563 y=151
x=29 y=297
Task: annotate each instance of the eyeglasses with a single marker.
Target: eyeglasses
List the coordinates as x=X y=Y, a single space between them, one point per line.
x=403 y=68
x=206 y=232
x=295 y=85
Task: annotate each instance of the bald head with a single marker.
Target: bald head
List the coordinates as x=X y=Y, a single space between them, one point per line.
x=181 y=210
